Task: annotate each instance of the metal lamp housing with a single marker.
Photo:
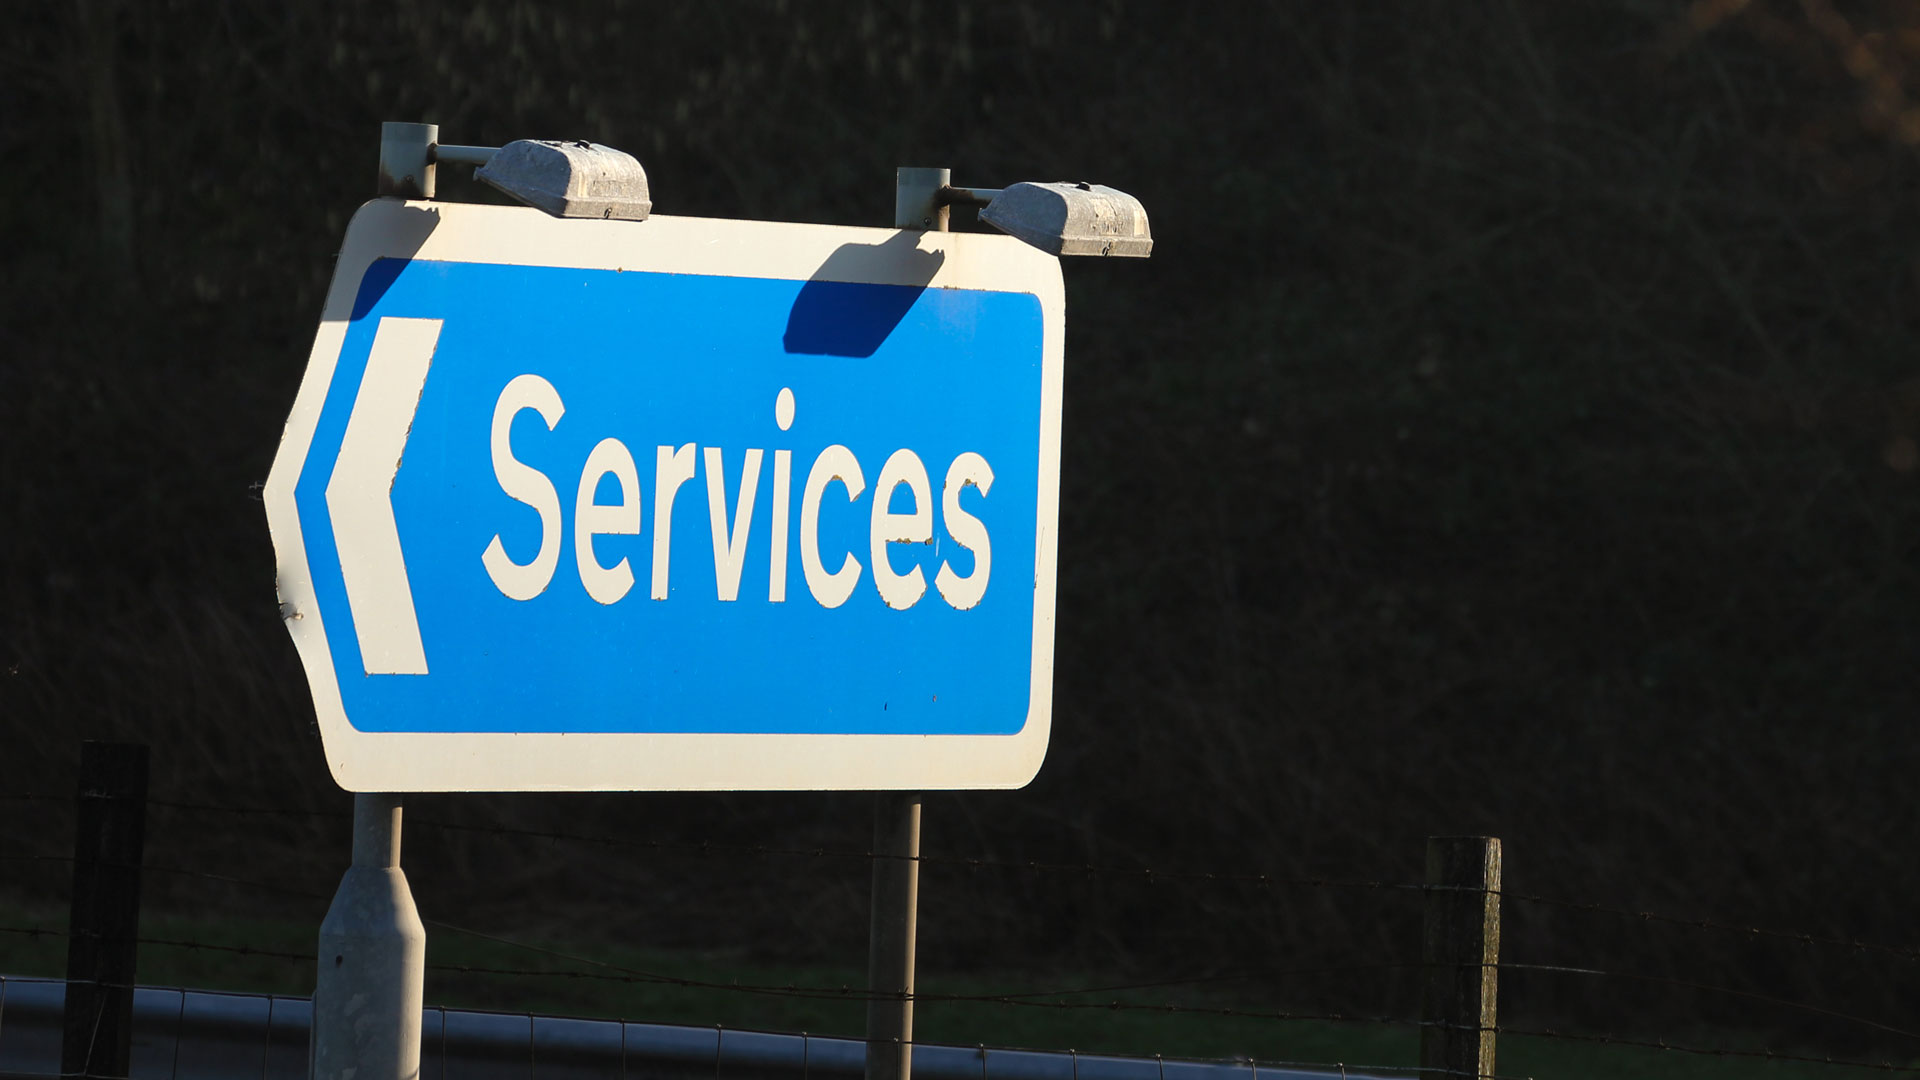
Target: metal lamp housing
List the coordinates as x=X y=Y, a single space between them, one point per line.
x=1072 y=219
x=571 y=179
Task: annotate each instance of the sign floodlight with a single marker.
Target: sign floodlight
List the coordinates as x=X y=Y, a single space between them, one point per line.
x=1072 y=219
x=570 y=179
x=1058 y=218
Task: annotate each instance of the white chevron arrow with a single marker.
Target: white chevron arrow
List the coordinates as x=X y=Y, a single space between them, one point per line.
x=360 y=496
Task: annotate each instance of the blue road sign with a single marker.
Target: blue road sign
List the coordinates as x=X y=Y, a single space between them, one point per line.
x=674 y=504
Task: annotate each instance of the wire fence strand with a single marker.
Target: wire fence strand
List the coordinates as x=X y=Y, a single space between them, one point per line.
x=1145 y=874
x=1061 y=998
x=1148 y=875
x=616 y=973
x=1048 y=998
x=1904 y=952
x=1705 y=1051
x=1728 y=991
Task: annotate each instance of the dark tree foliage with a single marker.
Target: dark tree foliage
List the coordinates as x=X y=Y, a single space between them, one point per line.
x=1515 y=432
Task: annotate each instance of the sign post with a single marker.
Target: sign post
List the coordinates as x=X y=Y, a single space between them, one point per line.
x=894 y=911
x=677 y=504
x=600 y=500
x=372 y=961
x=891 y=938
x=371 y=972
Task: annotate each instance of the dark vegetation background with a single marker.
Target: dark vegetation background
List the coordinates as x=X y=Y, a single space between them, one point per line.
x=1514 y=433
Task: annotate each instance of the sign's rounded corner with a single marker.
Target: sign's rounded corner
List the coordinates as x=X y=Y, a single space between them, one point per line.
x=1031 y=742
x=343 y=777
x=1027 y=775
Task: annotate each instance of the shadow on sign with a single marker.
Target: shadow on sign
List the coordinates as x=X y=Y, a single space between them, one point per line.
x=409 y=233
x=834 y=316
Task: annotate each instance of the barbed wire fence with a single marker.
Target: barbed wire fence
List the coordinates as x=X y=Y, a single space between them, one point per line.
x=1460 y=980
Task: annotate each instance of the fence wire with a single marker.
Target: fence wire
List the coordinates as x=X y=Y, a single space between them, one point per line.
x=1705 y=1051
x=1037 y=999
x=1749 y=995
x=1904 y=952
x=1061 y=998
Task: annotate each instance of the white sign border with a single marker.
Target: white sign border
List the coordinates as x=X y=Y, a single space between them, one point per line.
x=547 y=761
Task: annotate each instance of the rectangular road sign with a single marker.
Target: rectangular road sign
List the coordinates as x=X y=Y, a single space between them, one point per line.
x=673 y=505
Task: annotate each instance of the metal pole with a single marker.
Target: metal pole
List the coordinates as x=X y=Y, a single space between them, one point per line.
x=104 y=926
x=917 y=201
x=896 y=901
x=917 y=204
x=372 y=959
x=373 y=955
x=406 y=159
x=444 y=154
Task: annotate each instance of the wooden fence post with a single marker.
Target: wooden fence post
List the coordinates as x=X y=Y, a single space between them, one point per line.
x=1461 y=952
x=103 y=927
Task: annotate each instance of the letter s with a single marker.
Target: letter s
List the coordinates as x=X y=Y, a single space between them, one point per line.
x=526 y=484
x=965 y=592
